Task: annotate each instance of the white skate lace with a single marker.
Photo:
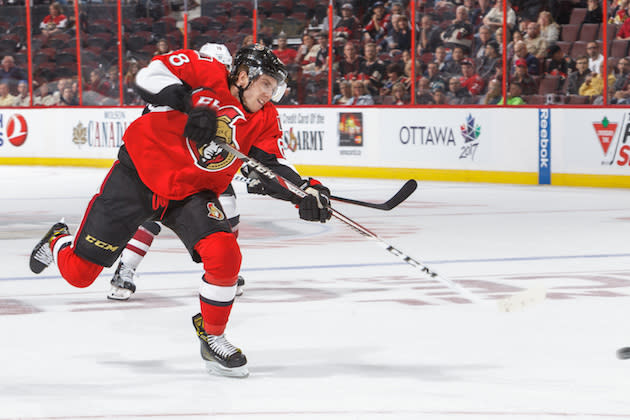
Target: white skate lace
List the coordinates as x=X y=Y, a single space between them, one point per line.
x=220 y=345
x=44 y=255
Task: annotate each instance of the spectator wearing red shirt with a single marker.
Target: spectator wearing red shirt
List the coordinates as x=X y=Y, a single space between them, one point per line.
x=470 y=80
x=283 y=52
x=55 y=22
x=376 y=27
x=624 y=30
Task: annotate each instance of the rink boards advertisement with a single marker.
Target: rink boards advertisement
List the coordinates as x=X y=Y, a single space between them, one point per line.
x=64 y=133
x=549 y=145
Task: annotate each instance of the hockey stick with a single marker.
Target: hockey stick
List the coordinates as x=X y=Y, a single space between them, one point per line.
x=403 y=193
x=511 y=303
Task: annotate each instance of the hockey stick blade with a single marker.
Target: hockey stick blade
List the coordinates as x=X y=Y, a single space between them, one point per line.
x=402 y=194
x=505 y=305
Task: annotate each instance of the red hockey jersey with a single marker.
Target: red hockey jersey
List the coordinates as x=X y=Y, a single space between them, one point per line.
x=173 y=166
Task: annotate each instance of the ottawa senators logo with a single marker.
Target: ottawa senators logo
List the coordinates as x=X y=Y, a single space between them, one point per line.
x=214 y=212
x=212 y=157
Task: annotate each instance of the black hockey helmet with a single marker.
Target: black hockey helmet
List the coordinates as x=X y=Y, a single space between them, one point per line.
x=259 y=60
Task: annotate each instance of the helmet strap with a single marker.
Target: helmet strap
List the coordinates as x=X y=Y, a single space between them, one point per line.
x=241 y=90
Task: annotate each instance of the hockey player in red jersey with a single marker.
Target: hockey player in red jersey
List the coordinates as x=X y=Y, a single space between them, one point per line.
x=171 y=169
x=123 y=282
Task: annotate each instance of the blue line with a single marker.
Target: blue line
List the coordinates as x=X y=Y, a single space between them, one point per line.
x=320 y=267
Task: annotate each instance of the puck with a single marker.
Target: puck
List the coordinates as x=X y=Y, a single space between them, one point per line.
x=623 y=353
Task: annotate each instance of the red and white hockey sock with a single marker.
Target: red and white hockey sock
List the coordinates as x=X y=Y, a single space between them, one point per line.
x=139 y=245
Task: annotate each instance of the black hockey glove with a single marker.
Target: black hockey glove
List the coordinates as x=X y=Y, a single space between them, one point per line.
x=176 y=96
x=201 y=126
x=316 y=204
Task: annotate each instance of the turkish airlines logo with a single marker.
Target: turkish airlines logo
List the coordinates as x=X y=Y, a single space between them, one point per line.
x=16 y=130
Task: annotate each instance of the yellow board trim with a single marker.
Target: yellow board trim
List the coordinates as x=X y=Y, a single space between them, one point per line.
x=451 y=175
x=33 y=161
x=583 y=180
x=448 y=175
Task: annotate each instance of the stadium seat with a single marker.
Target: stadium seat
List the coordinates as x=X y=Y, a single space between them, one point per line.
x=577 y=16
x=588 y=32
x=578 y=49
x=619 y=48
x=569 y=33
x=548 y=84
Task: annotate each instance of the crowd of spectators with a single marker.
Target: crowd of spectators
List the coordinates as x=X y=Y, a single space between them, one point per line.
x=554 y=50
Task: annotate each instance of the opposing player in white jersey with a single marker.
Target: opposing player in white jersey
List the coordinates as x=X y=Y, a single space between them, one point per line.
x=123 y=283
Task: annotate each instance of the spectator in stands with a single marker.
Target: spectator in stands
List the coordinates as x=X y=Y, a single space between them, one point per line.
x=375 y=29
x=521 y=53
x=400 y=39
x=549 y=29
x=321 y=61
x=283 y=52
x=439 y=97
x=526 y=82
x=372 y=68
x=266 y=34
x=559 y=63
x=494 y=18
x=440 y=59
x=479 y=10
x=429 y=34
x=624 y=30
x=434 y=77
x=460 y=32
x=6 y=99
x=514 y=94
x=456 y=94
x=395 y=74
x=350 y=66
x=491 y=60
x=619 y=13
x=10 y=73
x=536 y=44
x=400 y=94
x=594 y=12
x=45 y=97
x=577 y=77
x=22 y=98
x=247 y=40
x=593 y=85
x=360 y=96
x=98 y=91
x=621 y=88
x=131 y=96
x=423 y=92
x=471 y=81
x=348 y=26
x=493 y=95
x=55 y=22
x=345 y=93
x=162 y=47
x=595 y=58
x=482 y=38
x=307 y=53
x=68 y=98
x=453 y=65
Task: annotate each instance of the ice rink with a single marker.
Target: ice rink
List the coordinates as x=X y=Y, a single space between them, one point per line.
x=333 y=326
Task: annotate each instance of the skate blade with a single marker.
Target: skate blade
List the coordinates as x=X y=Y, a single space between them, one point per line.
x=214 y=368
x=118 y=293
x=521 y=300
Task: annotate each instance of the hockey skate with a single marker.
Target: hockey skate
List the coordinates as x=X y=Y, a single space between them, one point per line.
x=221 y=357
x=122 y=283
x=240 y=286
x=42 y=254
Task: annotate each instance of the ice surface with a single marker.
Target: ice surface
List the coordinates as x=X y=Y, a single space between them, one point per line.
x=333 y=326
